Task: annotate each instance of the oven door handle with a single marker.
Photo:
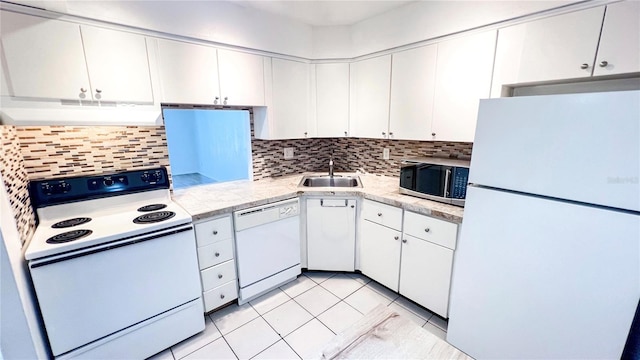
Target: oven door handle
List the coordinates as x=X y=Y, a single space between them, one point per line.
x=105 y=247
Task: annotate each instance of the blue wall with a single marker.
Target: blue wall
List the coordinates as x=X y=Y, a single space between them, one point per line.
x=214 y=143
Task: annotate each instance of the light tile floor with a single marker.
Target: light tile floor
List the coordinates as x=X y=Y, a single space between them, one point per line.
x=296 y=320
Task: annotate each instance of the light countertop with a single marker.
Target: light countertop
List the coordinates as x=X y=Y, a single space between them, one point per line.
x=203 y=201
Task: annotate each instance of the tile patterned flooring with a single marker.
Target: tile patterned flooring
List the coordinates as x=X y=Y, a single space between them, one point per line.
x=296 y=320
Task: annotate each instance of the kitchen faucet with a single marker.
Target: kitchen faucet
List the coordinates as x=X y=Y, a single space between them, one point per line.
x=331 y=165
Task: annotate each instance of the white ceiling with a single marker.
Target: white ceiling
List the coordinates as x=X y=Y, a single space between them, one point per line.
x=325 y=12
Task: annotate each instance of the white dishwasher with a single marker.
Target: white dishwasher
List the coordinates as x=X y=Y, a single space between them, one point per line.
x=267 y=247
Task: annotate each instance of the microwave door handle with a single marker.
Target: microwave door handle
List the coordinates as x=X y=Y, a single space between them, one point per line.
x=447 y=174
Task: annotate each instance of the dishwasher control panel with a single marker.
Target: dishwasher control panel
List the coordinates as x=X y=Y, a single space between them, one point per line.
x=289 y=210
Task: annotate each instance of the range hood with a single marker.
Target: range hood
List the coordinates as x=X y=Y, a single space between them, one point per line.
x=79 y=116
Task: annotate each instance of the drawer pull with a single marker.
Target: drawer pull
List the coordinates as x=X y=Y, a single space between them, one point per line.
x=427 y=230
x=217 y=254
x=219 y=276
x=396 y=238
x=221 y=296
x=215 y=232
x=404 y=241
x=379 y=214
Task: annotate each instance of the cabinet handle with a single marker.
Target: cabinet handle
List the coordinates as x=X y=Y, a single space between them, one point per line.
x=98 y=91
x=345 y=133
x=215 y=232
x=83 y=90
x=217 y=254
x=384 y=133
x=604 y=63
x=305 y=134
x=396 y=237
x=219 y=276
x=433 y=134
x=215 y=101
x=390 y=134
x=379 y=214
x=225 y=100
x=221 y=296
x=584 y=66
x=352 y=206
x=427 y=230
x=404 y=241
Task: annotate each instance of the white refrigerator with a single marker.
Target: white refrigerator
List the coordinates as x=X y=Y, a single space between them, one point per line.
x=548 y=260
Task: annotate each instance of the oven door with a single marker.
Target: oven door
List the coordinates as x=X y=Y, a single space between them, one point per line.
x=91 y=293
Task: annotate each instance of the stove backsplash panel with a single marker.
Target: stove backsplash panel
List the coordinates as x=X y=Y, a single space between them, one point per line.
x=16 y=181
x=58 y=151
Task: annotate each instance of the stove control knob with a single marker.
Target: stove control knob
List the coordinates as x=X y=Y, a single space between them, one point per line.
x=46 y=189
x=108 y=182
x=66 y=187
x=145 y=177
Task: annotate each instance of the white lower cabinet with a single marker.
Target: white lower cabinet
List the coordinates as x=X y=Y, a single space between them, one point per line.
x=217 y=262
x=331 y=234
x=380 y=253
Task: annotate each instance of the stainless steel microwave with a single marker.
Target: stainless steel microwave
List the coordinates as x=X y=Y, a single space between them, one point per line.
x=443 y=180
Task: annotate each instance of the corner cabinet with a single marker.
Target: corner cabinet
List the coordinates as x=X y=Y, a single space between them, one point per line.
x=288 y=99
x=52 y=59
x=463 y=77
x=332 y=100
x=214 y=239
x=369 y=97
x=331 y=234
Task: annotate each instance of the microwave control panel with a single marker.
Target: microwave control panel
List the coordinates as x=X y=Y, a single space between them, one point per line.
x=459 y=185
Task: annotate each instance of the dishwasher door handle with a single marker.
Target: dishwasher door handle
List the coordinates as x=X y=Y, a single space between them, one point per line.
x=346 y=203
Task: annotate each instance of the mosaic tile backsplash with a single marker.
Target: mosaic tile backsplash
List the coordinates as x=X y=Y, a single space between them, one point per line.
x=16 y=181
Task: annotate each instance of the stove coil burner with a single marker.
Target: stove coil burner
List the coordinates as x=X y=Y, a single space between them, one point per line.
x=70 y=222
x=69 y=236
x=154 y=217
x=152 y=207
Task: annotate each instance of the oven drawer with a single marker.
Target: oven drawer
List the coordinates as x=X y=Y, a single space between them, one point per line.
x=386 y=215
x=218 y=275
x=215 y=253
x=433 y=230
x=219 y=296
x=213 y=231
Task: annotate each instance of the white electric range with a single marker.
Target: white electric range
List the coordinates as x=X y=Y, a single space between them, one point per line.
x=114 y=265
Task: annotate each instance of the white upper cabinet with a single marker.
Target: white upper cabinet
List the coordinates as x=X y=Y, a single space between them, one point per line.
x=558 y=47
x=332 y=100
x=413 y=74
x=188 y=73
x=369 y=110
x=241 y=78
x=463 y=77
x=33 y=47
x=118 y=65
x=619 y=49
x=288 y=98
x=59 y=60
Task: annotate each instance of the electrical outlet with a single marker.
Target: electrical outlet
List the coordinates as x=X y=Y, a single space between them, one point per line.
x=288 y=153
x=385 y=153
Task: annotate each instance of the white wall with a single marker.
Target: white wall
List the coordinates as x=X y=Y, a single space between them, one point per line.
x=332 y=42
x=430 y=19
x=21 y=336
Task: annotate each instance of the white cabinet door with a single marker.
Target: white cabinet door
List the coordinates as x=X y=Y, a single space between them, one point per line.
x=558 y=47
x=331 y=234
x=118 y=65
x=463 y=77
x=188 y=73
x=290 y=99
x=619 y=48
x=44 y=58
x=425 y=274
x=412 y=87
x=241 y=78
x=380 y=253
x=369 y=110
x=332 y=99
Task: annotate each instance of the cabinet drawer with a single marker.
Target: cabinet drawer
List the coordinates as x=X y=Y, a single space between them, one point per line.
x=213 y=231
x=215 y=253
x=217 y=275
x=219 y=296
x=431 y=229
x=387 y=215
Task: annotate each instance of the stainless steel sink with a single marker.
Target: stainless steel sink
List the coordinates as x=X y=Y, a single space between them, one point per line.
x=327 y=181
